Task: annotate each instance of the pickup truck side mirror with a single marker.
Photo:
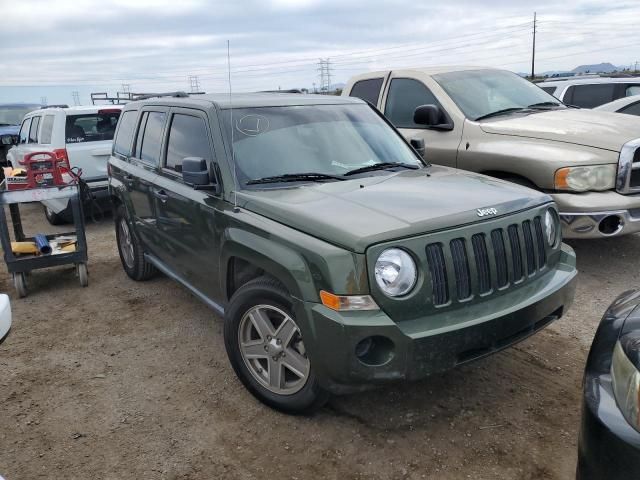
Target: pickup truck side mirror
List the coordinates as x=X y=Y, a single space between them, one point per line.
x=195 y=172
x=418 y=145
x=432 y=116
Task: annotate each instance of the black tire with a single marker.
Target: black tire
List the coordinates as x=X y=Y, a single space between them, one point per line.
x=61 y=218
x=267 y=291
x=137 y=266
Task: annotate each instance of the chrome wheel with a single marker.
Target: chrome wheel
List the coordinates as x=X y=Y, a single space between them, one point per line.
x=272 y=349
x=126 y=243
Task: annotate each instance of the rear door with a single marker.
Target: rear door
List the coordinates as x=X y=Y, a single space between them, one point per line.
x=88 y=140
x=185 y=217
x=401 y=98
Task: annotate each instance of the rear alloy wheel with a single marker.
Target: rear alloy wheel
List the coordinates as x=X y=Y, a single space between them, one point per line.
x=131 y=253
x=266 y=349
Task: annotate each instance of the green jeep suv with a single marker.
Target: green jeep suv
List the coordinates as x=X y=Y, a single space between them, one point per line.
x=338 y=258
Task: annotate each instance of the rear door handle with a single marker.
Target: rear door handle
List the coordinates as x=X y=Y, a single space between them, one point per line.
x=161 y=195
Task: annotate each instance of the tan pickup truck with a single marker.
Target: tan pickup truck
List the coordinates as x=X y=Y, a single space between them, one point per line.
x=497 y=123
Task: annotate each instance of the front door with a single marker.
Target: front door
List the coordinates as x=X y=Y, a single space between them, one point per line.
x=185 y=217
x=403 y=96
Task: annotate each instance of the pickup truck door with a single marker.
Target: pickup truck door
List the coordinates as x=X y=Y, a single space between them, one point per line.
x=187 y=242
x=403 y=94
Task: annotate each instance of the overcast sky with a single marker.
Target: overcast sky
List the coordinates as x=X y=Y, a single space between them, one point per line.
x=51 y=48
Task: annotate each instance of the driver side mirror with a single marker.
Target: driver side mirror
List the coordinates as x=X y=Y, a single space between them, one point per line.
x=432 y=116
x=195 y=173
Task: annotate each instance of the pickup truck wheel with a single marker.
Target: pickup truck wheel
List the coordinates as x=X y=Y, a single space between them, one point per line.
x=266 y=349
x=131 y=253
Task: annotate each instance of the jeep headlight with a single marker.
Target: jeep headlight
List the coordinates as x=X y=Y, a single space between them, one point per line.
x=395 y=272
x=585 y=178
x=6 y=140
x=551 y=227
x=626 y=385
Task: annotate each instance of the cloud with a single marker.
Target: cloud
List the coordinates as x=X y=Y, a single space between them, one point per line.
x=153 y=44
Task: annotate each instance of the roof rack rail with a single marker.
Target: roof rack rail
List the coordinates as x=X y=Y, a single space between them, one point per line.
x=100 y=98
x=61 y=105
x=291 y=90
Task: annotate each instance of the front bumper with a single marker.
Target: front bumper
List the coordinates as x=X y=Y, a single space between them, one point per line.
x=608 y=446
x=416 y=349
x=598 y=214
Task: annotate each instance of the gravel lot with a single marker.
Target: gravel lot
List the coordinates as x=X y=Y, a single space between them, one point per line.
x=130 y=380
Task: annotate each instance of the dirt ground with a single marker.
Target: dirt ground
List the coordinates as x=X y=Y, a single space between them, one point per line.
x=129 y=380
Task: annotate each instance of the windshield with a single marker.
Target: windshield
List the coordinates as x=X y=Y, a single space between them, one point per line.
x=481 y=92
x=329 y=140
x=13 y=114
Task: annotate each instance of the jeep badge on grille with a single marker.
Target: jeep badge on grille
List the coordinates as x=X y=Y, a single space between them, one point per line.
x=483 y=212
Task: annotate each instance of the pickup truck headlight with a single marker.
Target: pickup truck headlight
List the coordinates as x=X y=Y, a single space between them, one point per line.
x=585 y=178
x=626 y=385
x=395 y=272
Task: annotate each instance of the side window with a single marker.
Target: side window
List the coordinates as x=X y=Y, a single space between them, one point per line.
x=632 y=90
x=24 y=130
x=549 y=90
x=152 y=137
x=368 y=90
x=33 y=131
x=633 y=109
x=47 y=129
x=188 y=137
x=589 y=96
x=124 y=136
x=405 y=95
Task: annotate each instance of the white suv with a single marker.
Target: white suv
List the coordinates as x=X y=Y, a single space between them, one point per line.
x=590 y=91
x=82 y=135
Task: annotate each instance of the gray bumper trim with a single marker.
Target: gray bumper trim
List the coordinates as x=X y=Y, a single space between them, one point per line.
x=586 y=225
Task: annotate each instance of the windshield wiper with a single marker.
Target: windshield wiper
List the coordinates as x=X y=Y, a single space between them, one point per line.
x=381 y=166
x=500 y=112
x=296 y=177
x=544 y=104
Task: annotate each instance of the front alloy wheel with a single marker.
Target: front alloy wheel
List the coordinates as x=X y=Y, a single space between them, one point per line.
x=266 y=348
x=272 y=349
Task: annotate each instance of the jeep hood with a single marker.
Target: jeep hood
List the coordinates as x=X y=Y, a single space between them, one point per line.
x=357 y=213
x=582 y=127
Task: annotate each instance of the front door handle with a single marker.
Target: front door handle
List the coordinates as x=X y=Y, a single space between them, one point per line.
x=161 y=195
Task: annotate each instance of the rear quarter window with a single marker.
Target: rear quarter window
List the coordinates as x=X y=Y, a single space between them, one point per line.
x=590 y=96
x=367 y=90
x=91 y=127
x=126 y=129
x=47 y=129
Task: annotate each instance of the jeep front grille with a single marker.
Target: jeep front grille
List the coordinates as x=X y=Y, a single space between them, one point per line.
x=628 y=178
x=486 y=263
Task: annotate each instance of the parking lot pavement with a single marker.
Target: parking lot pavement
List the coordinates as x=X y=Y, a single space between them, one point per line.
x=131 y=380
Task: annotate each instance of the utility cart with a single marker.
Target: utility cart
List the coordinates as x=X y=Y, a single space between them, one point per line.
x=20 y=265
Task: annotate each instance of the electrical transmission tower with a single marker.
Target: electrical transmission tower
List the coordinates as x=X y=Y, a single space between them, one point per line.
x=126 y=88
x=76 y=97
x=194 y=83
x=43 y=101
x=324 y=67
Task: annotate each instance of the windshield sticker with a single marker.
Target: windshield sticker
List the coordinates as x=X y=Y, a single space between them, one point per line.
x=252 y=125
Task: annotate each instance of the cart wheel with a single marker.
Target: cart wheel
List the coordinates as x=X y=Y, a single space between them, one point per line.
x=20 y=284
x=83 y=274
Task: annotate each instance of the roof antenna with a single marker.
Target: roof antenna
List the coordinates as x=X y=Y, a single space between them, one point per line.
x=233 y=127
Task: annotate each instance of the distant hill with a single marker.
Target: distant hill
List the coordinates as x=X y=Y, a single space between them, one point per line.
x=597 y=68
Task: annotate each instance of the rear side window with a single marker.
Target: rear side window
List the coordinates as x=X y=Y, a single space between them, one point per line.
x=152 y=137
x=24 y=130
x=187 y=138
x=33 y=131
x=368 y=90
x=589 y=96
x=632 y=90
x=122 y=142
x=405 y=95
x=91 y=127
x=633 y=109
x=47 y=129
